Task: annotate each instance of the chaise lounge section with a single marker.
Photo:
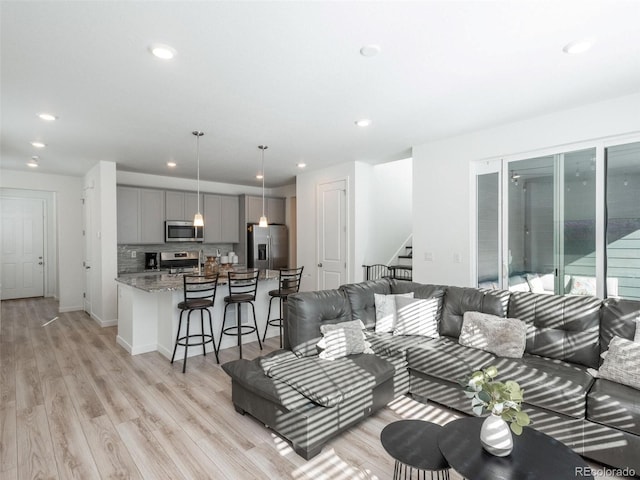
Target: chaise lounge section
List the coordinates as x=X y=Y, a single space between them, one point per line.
x=308 y=399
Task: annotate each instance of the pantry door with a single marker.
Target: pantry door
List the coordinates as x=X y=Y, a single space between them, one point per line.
x=332 y=234
x=22 y=251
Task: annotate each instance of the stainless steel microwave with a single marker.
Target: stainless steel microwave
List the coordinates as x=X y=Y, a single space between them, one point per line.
x=180 y=231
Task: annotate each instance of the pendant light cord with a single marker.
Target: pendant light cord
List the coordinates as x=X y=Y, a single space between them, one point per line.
x=263 y=147
x=198 y=162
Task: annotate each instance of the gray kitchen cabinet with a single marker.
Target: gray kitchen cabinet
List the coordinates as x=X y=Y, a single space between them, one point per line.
x=274 y=209
x=191 y=205
x=181 y=205
x=253 y=209
x=128 y=203
x=221 y=219
x=141 y=214
x=230 y=218
x=151 y=216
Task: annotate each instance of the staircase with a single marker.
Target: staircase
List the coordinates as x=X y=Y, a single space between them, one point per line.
x=403 y=268
x=407 y=258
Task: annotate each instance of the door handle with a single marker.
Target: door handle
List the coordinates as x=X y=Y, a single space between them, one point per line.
x=320 y=265
x=40 y=263
x=87 y=267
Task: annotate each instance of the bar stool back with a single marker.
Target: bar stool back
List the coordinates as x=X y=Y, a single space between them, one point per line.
x=242 y=289
x=288 y=283
x=199 y=294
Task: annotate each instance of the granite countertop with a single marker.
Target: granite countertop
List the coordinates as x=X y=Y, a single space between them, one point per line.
x=168 y=282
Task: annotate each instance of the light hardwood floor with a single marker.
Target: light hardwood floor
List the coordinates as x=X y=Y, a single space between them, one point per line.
x=73 y=404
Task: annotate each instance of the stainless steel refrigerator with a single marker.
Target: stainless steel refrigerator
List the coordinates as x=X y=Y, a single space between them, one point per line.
x=267 y=247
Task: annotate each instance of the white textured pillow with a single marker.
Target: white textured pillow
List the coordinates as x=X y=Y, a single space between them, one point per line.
x=583 y=286
x=417 y=316
x=505 y=337
x=535 y=282
x=342 y=339
x=622 y=363
x=386 y=311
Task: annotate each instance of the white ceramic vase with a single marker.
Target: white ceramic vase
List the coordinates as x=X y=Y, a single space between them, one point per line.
x=495 y=436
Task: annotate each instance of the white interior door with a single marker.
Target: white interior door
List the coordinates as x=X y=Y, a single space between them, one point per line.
x=332 y=234
x=22 y=248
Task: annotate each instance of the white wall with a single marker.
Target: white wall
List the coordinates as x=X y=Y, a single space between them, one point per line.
x=378 y=209
x=100 y=184
x=306 y=188
x=441 y=177
x=68 y=211
x=391 y=210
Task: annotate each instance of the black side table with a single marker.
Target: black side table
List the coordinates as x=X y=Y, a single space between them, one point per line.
x=535 y=455
x=414 y=446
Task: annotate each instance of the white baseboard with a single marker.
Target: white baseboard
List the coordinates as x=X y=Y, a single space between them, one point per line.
x=70 y=309
x=120 y=341
x=137 y=350
x=104 y=323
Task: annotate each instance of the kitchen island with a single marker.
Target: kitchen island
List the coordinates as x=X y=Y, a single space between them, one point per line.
x=148 y=313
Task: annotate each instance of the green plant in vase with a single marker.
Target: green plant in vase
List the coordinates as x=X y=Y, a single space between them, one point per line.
x=503 y=399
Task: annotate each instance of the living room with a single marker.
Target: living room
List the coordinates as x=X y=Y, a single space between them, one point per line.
x=445 y=163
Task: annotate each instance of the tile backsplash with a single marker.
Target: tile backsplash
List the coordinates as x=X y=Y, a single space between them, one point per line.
x=131 y=257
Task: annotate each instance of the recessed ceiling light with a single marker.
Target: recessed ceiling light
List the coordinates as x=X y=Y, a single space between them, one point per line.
x=364 y=122
x=259 y=176
x=171 y=164
x=33 y=163
x=38 y=144
x=47 y=117
x=165 y=52
x=370 y=50
x=578 y=46
x=302 y=165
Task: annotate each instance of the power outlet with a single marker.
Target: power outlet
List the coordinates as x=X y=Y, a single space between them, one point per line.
x=134 y=254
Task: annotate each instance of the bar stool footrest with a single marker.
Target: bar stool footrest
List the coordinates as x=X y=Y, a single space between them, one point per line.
x=182 y=341
x=275 y=322
x=234 y=330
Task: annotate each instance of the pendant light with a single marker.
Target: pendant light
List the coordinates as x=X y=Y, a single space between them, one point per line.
x=263 y=219
x=198 y=221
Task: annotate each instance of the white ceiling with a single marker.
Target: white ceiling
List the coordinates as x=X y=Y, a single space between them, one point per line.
x=289 y=75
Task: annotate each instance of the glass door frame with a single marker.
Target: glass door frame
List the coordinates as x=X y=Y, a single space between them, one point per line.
x=486 y=167
x=500 y=165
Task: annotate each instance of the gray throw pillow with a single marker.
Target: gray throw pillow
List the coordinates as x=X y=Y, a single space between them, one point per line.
x=504 y=337
x=622 y=363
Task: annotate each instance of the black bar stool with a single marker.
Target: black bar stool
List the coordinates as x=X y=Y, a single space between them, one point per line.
x=199 y=294
x=242 y=289
x=288 y=283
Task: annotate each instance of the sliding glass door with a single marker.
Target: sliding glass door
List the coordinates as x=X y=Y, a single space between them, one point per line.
x=548 y=242
x=563 y=223
x=551 y=235
x=623 y=221
x=530 y=233
x=576 y=232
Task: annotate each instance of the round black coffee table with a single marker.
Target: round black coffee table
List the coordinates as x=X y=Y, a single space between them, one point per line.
x=414 y=445
x=535 y=455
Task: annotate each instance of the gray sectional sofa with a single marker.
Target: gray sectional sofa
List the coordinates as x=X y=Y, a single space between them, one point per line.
x=308 y=400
